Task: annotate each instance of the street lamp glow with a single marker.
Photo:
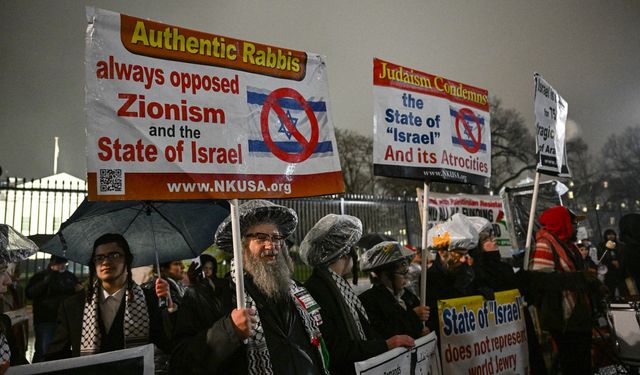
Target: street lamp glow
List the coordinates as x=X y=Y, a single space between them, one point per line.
x=584 y=209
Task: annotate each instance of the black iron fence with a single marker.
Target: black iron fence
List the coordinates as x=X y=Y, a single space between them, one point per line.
x=36 y=208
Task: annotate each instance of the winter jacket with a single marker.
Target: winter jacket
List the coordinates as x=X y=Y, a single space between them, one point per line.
x=208 y=344
x=386 y=315
x=338 y=328
x=48 y=289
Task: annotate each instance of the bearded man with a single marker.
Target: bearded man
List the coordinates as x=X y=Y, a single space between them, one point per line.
x=277 y=332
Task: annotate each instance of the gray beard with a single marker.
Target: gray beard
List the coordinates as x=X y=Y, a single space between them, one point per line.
x=272 y=279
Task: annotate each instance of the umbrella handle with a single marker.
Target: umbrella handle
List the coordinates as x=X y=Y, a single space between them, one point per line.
x=163 y=302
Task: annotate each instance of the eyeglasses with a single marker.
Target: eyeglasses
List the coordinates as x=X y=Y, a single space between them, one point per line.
x=112 y=257
x=264 y=237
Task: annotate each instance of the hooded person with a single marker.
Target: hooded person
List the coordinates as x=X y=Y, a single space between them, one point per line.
x=392 y=308
x=630 y=238
x=329 y=247
x=451 y=275
x=277 y=333
x=562 y=287
x=610 y=256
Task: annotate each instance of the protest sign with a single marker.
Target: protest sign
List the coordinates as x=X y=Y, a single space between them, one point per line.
x=138 y=361
x=551 y=116
x=174 y=113
x=483 y=337
x=443 y=206
x=429 y=128
x=422 y=359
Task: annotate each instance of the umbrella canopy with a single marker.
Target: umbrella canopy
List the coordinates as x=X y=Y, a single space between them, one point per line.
x=175 y=229
x=14 y=247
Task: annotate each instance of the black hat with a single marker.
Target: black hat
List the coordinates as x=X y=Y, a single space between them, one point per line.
x=55 y=259
x=255 y=212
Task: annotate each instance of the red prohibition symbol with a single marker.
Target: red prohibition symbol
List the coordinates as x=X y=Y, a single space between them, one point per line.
x=476 y=141
x=271 y=103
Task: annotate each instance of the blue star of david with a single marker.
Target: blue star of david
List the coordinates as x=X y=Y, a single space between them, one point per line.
x=283 y=129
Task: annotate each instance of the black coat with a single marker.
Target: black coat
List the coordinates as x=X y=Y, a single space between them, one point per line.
x=386 y=315
x=492 y=274
x=208 y=344
x=446 y=284
x=344 y=348
x=66 y=341
x=48 y=289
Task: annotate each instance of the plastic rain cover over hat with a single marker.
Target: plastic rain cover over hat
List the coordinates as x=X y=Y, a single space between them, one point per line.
x=480 y=224
x=454 y=234
x=331 y=237
x=255 y=212
x=385 y=253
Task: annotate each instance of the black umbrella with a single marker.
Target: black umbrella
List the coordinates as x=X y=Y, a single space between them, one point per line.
x=173 y=229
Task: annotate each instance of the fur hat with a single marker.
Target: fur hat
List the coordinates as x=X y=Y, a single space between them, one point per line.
x=255 y=212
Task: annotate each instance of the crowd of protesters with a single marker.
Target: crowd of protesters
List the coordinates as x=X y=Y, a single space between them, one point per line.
x=323 y=326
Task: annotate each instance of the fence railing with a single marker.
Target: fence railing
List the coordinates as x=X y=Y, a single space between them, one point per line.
x=37 y=208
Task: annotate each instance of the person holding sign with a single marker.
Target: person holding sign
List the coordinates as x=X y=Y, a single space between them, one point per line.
x=329 y=248
x=492 y=274
x=451 y=275
x=277 y=333
x=116 y=313
x=562 y=285
x=392 y=308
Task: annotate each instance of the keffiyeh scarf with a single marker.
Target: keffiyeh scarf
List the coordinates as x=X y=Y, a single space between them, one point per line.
x=136 y=322
x=5 y=351
x=258 y=357
x=352 y=301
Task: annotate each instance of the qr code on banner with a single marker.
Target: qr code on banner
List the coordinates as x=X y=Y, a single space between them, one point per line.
x=111 y=182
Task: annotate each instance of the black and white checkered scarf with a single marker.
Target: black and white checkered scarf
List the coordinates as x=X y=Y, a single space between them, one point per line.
x=136 y=321
x=352 y=301
x=5 y=351
x=258 y=357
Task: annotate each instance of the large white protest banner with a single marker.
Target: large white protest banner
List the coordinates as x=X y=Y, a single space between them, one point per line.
x=174 y=113
x=422 y=359
x=443 y=206
x=551 y=117
x=429 y=128
x=484 y=337
x=134 y=361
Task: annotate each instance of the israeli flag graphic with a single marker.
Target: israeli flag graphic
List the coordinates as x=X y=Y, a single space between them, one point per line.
x=282 y=135
x=469 y=133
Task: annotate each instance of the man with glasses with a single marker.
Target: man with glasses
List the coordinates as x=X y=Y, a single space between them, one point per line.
x=392 y=308
x=116 y=313
x=277 y=332
x=329 y=247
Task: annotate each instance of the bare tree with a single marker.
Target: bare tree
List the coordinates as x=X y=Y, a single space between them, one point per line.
x=621 y=158
x=512 y=146
x=356 y=160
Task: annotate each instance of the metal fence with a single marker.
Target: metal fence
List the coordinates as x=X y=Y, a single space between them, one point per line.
x=36 y=208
